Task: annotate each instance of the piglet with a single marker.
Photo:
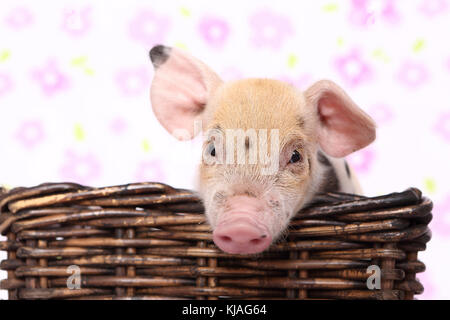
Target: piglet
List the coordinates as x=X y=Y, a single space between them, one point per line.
x=268 y=148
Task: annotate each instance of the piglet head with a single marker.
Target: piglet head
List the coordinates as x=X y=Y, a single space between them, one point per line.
x=261 y=139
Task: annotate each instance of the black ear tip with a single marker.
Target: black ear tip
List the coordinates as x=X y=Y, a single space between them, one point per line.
x=159 y=54
x=156 y=51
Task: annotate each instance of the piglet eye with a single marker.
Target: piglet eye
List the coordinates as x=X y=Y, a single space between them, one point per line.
x=296 y=157
x=212 y=150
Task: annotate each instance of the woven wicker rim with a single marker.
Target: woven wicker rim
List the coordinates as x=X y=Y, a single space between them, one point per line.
x=151 y=241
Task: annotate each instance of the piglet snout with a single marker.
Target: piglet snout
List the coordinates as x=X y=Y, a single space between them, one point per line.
x=241 y=237
x=239 y=231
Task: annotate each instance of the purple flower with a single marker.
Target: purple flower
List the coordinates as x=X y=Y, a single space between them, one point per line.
x=214 y=31
x=412 y=74
x=50 y=78
x=150 y=171
x=30 y=133
x=80 y=168
x=353 y=69
x=118 y=125
x=381 y=113
x=442 y=126
x=19 y=18
x=364 y=12
x=149 y=28
x=432 y=8
x=77 y=22
x=301 y=82
x=6 y=84
x=133 y=81
x=389 y=12
x=441 y=217
x=231 y=73
x=362 y=160
x=359 y=13
x=270 y=29
x=428 y=285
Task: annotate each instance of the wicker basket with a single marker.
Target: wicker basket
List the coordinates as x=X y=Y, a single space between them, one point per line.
x=150 y=241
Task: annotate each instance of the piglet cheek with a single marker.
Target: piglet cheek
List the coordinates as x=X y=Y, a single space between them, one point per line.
x=284 y=159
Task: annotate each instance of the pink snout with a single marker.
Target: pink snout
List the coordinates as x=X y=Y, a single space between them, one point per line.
x=240 y=232
x=241 y=237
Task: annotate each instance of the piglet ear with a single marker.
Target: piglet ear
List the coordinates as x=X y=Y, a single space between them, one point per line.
x=344 y=127
x=181 y=88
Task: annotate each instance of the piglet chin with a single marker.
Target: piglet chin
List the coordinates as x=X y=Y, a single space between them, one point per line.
x=240 y=231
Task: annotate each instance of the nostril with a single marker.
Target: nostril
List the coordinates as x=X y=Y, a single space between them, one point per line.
x=225 y=238
x=257 y=241
x=241 y=237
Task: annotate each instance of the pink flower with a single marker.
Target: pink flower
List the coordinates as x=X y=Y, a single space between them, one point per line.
x=389 y=12
x=19 y=18
x=270 y=29
x=6 y=84
x=442 y=126
x=50 y=78
x=149 y=28
x=381 y=113
x=30 y=133
x=364 y=12
x=150 y=171
x=214 y=31
x=353 y=69
x=441 y=217
x=432 y=8
x=231 y=73
x=412 y=74
x=133 y=81
x=80 y=168
x=77 y=22
x=301 y=82
x=362 y=160
x=118 y=125
x=428 y=285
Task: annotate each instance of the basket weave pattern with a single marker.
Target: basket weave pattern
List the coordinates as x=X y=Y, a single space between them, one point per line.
x=151 y=241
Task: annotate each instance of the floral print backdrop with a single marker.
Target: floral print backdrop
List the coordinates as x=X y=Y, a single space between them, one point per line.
x=75 y=77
